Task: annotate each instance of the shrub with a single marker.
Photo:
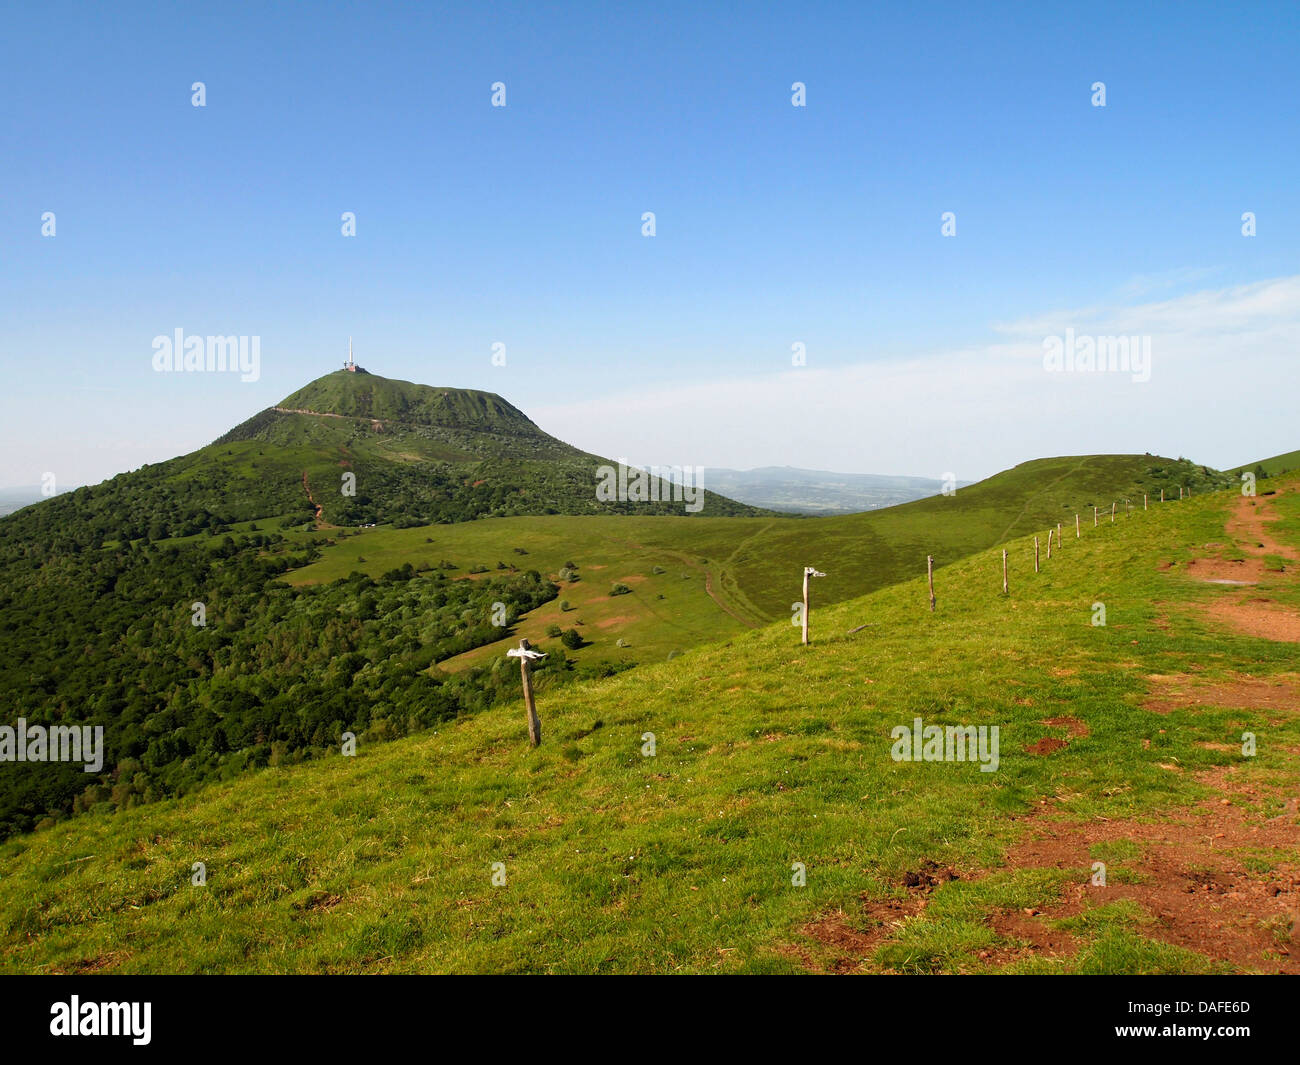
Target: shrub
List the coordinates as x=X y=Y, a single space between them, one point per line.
x=572 y=639
x=620 y=589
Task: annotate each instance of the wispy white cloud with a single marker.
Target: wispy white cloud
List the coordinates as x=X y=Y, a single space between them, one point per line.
x=1223 y=380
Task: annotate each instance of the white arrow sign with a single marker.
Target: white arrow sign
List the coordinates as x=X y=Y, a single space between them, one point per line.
x=519 y=652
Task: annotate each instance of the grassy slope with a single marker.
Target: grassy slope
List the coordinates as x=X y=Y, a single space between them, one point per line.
x=1273 y=466
x=753 y=565
x=768 y=754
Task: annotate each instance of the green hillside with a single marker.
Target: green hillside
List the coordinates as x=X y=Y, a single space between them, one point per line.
x=99 y=588
x=316 y=623
x=461 y=455
x=690 y=581
x=1120 y=743
x=1272 y=467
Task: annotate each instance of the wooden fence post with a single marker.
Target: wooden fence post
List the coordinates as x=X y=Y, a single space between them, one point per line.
x=1144 y=501
x=1162 y=495
x=1049 y=543
x=1058 y=536
x=1077 y=534
x=808 y=571
x=929 y=572
x=1004 y=571
x=1094 y=517
x=1035 y=554
x=526 y=656
x=1180 y=493
x=1112 y=512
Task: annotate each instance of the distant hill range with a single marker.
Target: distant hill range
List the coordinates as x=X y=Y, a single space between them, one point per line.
x=12 y=499
x=796 y=491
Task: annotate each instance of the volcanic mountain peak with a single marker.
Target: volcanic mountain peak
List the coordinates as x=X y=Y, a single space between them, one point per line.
x=368 y=395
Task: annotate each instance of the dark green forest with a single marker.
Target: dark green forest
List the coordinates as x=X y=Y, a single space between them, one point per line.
x=96 y=620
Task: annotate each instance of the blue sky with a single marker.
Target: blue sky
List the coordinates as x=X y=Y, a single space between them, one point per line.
x=775 y=224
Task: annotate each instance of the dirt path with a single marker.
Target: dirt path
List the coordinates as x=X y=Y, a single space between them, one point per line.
x=320 y=510
x=313 y=413
x=1251 y=613
x=1249 y=526
x=708 y=587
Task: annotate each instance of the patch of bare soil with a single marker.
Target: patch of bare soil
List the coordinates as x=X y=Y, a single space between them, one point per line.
x=929 y=876
x=1256 y=616
x=1179 y=691
x=1191 y=877
x=1072 y=724
x=97 y=964
x=854 y=940
x=1226 y=571
x=1047 y=745
x=1192 y=880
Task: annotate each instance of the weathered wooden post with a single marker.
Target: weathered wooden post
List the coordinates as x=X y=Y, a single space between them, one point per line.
x=1004 y=571
x=1077 y=534
x=526 y=656
x=1144 y=501
x=929 y=572
x=808 y=571
x=1035 y=554
x=1180 y=493
x=1094 y=516
x=1049 y=543
x=1162 y=495
x=1058 y=536
x=1112 y=512
x=1127 y=514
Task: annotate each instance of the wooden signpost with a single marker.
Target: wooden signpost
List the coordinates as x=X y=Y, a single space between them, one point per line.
x=526 y=656
x=808 y=571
